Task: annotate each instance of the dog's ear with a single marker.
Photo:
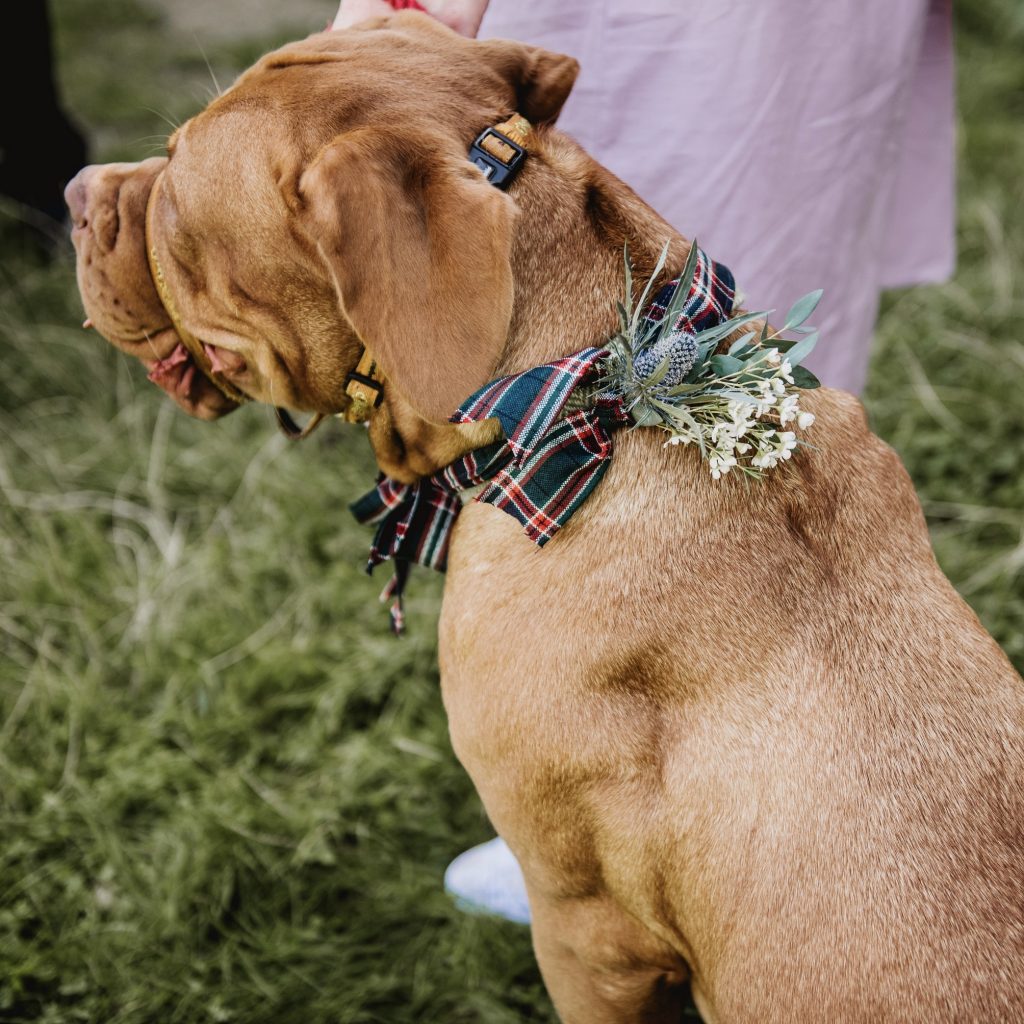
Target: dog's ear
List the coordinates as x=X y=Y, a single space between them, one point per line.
x=418 y=245
x=541 y=79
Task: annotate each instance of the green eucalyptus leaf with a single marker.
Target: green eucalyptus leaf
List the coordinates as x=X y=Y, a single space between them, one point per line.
x=741 y=343
x=645 y=416
x=802 y=349
x=727 y=327
x=802 y=309
x=748 y=377
x=757 y=354
x=803 y=378
x=738 y=396
x=726 y=365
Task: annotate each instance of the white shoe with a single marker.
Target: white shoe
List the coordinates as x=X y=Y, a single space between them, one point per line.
x=487 y=879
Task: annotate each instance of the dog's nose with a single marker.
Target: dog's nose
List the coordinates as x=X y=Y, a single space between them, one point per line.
x=76 y=195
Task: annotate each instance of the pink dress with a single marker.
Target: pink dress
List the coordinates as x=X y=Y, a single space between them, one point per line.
x=806 y=145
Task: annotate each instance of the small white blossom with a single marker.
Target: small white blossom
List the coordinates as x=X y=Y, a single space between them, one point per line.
x=788 y=439
x=786 y=371
x=740 y=412
x=789 y=409
x=804 y=420
x=720 y=463
x=766 y=399
x=773 y=357
x=778 y=386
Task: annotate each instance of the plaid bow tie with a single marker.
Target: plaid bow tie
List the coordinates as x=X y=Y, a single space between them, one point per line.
x=548 y=464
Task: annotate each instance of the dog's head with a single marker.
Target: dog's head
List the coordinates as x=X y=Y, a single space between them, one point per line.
x=325 y=201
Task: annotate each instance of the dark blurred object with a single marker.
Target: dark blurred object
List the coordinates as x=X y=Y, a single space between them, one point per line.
x=40 y=148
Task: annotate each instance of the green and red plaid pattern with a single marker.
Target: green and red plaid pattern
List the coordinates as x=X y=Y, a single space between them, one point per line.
x=548 y=464
x=710 y=302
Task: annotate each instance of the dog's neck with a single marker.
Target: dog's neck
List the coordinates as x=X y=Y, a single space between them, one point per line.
x=567 y=259
x=567 y=265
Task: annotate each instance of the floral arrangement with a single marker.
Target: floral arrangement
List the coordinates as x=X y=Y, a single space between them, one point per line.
x=741 y=408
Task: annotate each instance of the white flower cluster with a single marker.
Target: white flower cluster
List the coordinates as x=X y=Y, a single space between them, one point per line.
x=741 y=427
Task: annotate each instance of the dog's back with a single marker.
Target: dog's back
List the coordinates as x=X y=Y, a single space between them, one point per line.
x=786 y=744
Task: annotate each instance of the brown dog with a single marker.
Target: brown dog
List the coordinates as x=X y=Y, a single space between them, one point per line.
x=747 y=737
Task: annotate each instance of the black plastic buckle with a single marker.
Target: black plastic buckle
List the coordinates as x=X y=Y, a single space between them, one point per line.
x=498 y=173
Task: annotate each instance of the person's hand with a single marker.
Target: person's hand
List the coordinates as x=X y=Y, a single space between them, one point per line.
x=464 y=16
x=351 y=12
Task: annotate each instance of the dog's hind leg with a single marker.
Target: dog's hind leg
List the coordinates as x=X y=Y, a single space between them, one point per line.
x=601 y=966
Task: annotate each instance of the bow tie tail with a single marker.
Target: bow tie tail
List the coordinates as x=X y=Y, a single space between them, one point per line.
x=393 y=591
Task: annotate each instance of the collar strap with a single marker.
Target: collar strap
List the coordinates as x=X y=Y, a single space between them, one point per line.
x=192 y=344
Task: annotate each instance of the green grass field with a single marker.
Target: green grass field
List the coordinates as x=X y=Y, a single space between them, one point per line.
x=226 y=793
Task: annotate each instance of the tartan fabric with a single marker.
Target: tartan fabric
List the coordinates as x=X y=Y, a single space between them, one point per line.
x=414 y=521
x=526 y=404
x=548 y=464
x=710 y=302
x=545 y=487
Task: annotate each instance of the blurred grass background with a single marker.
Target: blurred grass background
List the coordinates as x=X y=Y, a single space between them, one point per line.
x=226 y=793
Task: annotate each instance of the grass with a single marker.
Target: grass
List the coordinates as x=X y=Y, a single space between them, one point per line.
x=226 y=794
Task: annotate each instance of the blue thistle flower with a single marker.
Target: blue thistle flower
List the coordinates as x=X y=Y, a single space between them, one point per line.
x=681 y=348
